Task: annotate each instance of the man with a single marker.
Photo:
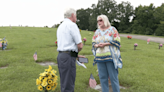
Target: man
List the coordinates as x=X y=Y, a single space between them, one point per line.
x=69 y=44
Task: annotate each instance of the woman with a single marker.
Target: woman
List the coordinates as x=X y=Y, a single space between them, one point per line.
x=105 y=47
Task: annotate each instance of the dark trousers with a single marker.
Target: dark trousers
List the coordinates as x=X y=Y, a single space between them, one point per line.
x=67 y=70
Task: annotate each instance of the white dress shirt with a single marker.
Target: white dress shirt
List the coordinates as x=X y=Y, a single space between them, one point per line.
x=68 y=36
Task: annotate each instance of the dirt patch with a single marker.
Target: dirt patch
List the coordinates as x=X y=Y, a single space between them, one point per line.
x=3 y=67
x=47 y=63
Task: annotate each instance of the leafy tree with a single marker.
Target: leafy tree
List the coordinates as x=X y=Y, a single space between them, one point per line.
x=159 y=17
x=124 y=13
x=83 y=18
x=108 y=8
x=145 y=20
x=93 y=18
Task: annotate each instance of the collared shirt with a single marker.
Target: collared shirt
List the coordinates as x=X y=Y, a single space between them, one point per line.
x=68 y=36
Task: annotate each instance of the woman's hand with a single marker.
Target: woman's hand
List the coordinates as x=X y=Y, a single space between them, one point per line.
x=96 y=45
x=101 y=45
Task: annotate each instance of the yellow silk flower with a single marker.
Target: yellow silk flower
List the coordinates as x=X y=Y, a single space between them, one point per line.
x=38 y=82
x=48 y=87
x=40 y=88
x=44 y=83
x=49 y=81
x=54 y=86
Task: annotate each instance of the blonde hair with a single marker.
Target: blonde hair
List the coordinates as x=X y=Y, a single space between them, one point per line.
x=105 y=20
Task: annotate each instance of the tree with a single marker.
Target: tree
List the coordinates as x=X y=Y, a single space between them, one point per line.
x=159 y=17
x=93 y=18
x=83 y=18
x=145 y=20
x=124 y=13
x=106 y=7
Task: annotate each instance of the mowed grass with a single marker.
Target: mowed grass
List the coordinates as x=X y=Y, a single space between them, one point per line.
x=142 y=68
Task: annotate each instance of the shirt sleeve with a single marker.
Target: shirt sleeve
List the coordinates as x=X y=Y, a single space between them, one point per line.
x=116 y=38
x=93 y=43
x=75 y=33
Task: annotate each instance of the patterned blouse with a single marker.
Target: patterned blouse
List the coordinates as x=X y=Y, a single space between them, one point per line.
x=107 y=53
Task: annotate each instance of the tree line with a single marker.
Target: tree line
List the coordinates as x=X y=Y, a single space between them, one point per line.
x=146 y=20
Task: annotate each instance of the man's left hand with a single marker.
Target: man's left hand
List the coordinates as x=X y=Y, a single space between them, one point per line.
x=81 y=56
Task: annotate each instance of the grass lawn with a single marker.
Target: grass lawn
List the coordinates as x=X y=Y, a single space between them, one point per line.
x=141 y=72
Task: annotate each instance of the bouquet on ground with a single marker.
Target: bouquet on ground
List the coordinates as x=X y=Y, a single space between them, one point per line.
x=160 y=45
x=47 y=80
x=3 y=43
x=148 y=40
x=129 y=37
x=56 y=42
x=135 y=45
x=84 y=40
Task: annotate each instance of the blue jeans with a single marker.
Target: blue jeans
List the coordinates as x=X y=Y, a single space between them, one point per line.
x=106 y=69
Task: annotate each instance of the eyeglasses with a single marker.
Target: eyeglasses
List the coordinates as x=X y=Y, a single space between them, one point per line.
x=99 y=20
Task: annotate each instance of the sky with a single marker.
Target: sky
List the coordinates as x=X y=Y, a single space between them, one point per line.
x=40 y=13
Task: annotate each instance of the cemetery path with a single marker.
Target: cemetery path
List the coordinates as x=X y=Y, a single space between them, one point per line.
x=142 y=37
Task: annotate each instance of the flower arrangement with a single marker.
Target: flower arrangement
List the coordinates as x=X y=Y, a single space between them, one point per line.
x=160 y=45
x=129 y=37
x=135 y=45
x=148 y=40
x=84 y=40
x=56 y=42
x=3 y=43
x=47 y=80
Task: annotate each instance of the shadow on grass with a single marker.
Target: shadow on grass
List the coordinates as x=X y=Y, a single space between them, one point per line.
x=122 y=50
x=86 y=54
x=48 y=46
x=136 y=49
x=7 y=49
x=87 y=45
x=51 y=45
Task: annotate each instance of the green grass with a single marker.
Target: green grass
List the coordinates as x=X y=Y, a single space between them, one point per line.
x=142 y=68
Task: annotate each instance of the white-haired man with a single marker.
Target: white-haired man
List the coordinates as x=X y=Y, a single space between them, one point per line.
x=69 y=44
